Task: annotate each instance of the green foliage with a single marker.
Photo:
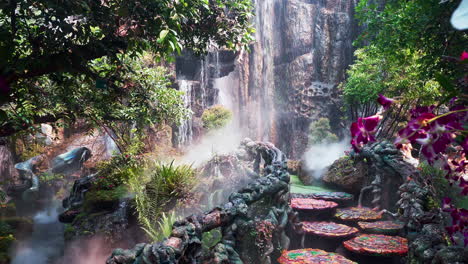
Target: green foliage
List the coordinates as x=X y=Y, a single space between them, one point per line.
x=320 y=132
x=47 y=177
x=30 y=150
x=5 y=229
x=374 y=73
x=402 y=54
x=154 y=189
x=216 y=117
x=61 y=59
x=116 y=171
x=96 y=200
x=441 y=187
x=136 y=95
x=69 y=232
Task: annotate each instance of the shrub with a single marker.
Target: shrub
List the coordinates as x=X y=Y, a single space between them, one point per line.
x=320 y=132
x=154 y=189
x=164 y=228
x=216 y=117
x=116 y=171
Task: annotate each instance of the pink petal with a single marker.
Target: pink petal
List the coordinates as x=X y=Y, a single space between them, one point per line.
x=385 y=101
x=371 y=122
x=464 y=56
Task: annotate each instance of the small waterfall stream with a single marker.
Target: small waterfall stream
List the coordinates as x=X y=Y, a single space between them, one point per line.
x=185 y=130
x=46 y=243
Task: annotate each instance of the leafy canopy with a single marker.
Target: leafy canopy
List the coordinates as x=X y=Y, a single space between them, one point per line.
x=406 y=47
x=74 y=59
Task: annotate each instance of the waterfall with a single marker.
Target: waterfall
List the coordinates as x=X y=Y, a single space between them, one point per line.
x=185 y=130
x=46 y=242
x=111 y=147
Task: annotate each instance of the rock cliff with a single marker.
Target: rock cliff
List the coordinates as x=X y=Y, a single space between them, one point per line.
x=290 y=76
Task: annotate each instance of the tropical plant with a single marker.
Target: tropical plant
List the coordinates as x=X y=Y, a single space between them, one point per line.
x=155 y=189
x=406 y=50
x=117 y=171
x=441 y=137
x=216 y=117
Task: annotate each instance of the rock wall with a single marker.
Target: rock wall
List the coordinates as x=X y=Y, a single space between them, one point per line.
x=291 y=76
x=8 y=173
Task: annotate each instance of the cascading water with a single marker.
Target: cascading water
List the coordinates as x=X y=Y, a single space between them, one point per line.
x=185 y=130
x=46 y=242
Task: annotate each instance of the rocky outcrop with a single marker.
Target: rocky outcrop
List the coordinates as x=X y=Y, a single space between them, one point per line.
x=8 y=173
x=345 y=174
x=291 y=76
x=252 y=223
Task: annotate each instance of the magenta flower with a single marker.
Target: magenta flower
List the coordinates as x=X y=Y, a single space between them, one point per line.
x=363 y=131
x=415 y=130
x=464 y=56
x=385 y=101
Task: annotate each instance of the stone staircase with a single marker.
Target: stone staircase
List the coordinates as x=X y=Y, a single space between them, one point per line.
x=333 y=231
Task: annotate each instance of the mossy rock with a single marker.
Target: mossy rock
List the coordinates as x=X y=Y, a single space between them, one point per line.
x=347 y=175
x=103 y=200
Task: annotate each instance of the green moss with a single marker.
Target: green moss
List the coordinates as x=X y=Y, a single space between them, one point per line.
x=6 y=242
x=18 y=222
x=69 y=232
x=298 y=187
x=96 y=200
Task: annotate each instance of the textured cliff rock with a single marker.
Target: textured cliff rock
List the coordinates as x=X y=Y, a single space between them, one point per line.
x=8 y=173
x=301 y=54
x=288 y=79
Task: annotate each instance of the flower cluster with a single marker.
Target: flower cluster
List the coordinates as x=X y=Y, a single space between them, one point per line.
x=362 y=131
x=433 y=132
x=459 y=220
x=441 y=137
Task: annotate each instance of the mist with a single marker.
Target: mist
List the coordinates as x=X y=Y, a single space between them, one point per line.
x=93 y=250
x=224 y=140
x=319 y=156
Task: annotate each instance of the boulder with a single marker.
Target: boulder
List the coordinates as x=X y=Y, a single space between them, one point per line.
x=345 y=174
x=451 y=255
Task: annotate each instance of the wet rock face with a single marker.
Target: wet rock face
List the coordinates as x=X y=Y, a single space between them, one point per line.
x=291 y=76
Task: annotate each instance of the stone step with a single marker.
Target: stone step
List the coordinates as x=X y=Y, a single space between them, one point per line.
x=377 y=245
x=357 y=214
x=312 y=256
x=337 y=197
x=381 y=227
x=328 y=229
x=309 y=204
